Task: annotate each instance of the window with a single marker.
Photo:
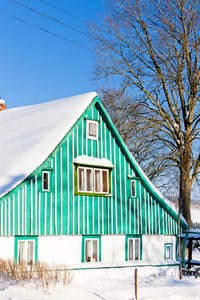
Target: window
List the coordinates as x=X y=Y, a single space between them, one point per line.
x=168 y=252
x=133 y=249
x=133 y=188
x=45 y=181
x=93 y=180
x=26 y=251
x=91 y=250
x=92 y=130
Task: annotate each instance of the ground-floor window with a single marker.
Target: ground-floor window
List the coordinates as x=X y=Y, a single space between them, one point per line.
x=168 y=251
x=91 y=249
x=133 y=245
x=26 y=250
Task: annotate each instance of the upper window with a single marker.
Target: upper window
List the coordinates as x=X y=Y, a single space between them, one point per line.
x=45 y=181
x=133 y=188
x=92 y=130
x=93 y=180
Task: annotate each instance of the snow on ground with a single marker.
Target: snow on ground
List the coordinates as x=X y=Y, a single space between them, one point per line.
x=149 y=288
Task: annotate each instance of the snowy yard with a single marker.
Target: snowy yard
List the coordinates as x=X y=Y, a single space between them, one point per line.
x=150 y=288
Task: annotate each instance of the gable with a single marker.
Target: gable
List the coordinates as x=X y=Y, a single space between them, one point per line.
x=27 y=209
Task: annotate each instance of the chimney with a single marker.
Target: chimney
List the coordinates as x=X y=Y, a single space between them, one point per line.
x=2 y=105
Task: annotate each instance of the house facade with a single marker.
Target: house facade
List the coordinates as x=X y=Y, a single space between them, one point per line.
x=72 y=193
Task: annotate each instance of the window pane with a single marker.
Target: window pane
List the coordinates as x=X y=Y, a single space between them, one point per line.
x=97 y=181
x=95 y=250
x=133 y=190
x=88 y=250
x=81 y=181
x=30 y=253
x=21 y=251
x=92 y=129
x=130 y=249
x=105 y=181
x=45 y=181
x=89 y=179
x=137 y=249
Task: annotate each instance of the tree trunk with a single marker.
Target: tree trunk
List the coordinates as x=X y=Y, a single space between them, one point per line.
x=185 y=185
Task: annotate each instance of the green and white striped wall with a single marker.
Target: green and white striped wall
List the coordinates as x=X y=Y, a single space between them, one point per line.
x=27 y=210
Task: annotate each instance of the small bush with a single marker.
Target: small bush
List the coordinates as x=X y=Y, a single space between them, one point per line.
x=44 y=275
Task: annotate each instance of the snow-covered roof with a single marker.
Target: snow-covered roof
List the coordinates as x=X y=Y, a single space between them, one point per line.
x=29 y=134
x=88 y=160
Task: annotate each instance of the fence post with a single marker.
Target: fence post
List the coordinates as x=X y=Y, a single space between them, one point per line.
x=135 y=284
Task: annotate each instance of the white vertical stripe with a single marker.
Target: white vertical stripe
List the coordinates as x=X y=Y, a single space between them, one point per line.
x=163 y=219
x=2 y=219
x=102 y=214
x=152 y=220
x=36 y=206
x=141 y=212
x=13 y=214
x=31 y=206
x=67 y=186
x=92 y=140
x=25 y=193
x=125 y=178
x=61 y=191
x=115 y=185
x=145 y=210
x=138 y=216
x=5 y=229
x=51 y=208
x=98 y=199
x=82 y=137
x=105 y=140
x=87 y=216
x=155 y=216
x=22 y=201
x=158 y=219
x=9 y=216
x=92 y=214
x=84 y=214
x=39 y=214
x=18 y=212
x=55 y=167
x=101 y=138
x=120 y=178
x=45 y=214
x=73 y=213
x=149 y=218
x=78 y=214
x=129 y=215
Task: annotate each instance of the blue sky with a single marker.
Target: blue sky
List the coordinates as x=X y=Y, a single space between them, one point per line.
x=37 y=66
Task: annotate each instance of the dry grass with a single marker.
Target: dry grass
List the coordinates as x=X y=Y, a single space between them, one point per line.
x=44 y=275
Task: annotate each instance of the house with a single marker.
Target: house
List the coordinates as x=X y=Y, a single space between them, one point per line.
x=71 y=192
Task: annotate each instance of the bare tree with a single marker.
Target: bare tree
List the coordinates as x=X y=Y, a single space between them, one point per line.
x=151 y=48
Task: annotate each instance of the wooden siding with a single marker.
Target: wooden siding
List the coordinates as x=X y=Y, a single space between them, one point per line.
x=27 y=210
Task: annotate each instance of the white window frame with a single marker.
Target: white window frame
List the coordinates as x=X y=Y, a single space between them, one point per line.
x=85 y=241
x=101 y=181
x=85 y=180
x=26 y=250
x=43 y=174
x=134 y=240
x=91 y=137
x=133 y=182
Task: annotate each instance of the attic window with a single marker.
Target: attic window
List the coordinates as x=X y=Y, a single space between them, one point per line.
x=92 y=130
x=133 y=188
x=45 y=181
